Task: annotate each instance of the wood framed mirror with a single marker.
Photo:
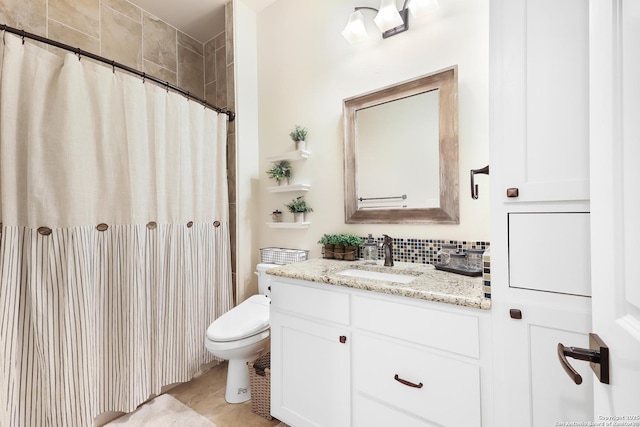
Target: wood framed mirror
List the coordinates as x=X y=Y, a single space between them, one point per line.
x=401 y=152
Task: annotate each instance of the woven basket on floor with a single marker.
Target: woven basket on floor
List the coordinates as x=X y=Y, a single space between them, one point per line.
x=261 y=385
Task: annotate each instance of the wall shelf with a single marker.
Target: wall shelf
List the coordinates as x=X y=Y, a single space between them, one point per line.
x=288 y=224
x=288 y=188
x=291 y=155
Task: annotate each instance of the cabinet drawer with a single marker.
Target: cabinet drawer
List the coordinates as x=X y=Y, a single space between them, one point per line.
x=454 y=332
x=368 y=412
x=450 y=392
x=310 y=301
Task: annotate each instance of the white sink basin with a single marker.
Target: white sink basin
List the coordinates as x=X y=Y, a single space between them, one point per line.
x=376 y=275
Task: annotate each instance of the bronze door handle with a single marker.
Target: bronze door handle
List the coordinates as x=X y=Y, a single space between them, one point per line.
x=474 y=187
x=597 y=355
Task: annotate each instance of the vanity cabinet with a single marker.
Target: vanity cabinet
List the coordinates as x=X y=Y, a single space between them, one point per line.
x=310 y=356
x=540 y=244
x=404 y=361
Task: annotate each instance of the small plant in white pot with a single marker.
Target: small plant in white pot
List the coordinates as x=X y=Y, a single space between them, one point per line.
x=299 y=136
x=281 y=171
x=298 y=207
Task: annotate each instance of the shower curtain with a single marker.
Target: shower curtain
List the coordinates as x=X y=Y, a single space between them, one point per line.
x=114 y=252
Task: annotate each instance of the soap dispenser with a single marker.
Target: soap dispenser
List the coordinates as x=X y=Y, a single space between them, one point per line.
x=370 y=251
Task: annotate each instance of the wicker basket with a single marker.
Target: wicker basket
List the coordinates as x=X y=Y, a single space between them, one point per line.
x=260 y=381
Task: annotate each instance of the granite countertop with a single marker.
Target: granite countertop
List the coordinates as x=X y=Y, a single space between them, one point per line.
x=429 y=284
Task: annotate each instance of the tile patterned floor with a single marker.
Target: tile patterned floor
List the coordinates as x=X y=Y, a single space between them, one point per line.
x=205 y=395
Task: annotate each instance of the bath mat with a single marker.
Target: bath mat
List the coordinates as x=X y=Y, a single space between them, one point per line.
x=163 y=411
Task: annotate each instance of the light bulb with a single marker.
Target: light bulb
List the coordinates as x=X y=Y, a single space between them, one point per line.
x=388 y=16
x=355 y=31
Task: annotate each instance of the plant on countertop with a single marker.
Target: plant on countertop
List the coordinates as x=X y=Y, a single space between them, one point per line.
x=298 y=205
x=280 y=171
x=298 y=134
x=336 y=244
x=348 y=240
x=341 y=239
x=327 y=239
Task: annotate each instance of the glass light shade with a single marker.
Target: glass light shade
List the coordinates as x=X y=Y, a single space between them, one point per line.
x=422 y=7
x=388 y=16
x=355 y=31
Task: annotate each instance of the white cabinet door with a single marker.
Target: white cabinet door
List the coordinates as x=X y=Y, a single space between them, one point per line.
x=310 y=373
x=310 y=355
x=540 y=98
x=538 y=392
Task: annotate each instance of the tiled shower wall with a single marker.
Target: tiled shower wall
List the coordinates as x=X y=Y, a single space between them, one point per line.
x=125 y=33
x=220 y=86
x=115 y=29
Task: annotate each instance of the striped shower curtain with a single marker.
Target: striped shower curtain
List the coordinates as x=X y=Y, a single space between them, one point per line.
x=114 y=252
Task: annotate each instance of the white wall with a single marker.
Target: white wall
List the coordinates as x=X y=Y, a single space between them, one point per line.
x=306 y=69
x=247 y=167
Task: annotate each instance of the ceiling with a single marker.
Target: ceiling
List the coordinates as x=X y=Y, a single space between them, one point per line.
x=201 y=19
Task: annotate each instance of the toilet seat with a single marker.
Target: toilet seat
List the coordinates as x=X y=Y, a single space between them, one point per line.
x=246 y=319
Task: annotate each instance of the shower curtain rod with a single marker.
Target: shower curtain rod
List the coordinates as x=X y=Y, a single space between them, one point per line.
x=114 y=64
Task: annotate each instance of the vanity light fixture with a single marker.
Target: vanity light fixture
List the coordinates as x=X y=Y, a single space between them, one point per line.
x=388 y=19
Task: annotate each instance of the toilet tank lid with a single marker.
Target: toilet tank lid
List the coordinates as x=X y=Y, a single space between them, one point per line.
x=247 y=318
x=262 y=267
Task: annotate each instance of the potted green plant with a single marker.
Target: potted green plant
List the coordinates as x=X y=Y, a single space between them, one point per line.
x=328 y=243
x=281 y=171
x=299 y=136
x=346 y=246
x=299 y=208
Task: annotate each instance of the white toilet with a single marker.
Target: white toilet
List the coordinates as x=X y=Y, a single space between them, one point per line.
x=240 y=335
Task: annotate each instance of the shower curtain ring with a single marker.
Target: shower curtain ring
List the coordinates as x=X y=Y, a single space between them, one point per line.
x=24 y=34
x=113 y=66
x=79 y=53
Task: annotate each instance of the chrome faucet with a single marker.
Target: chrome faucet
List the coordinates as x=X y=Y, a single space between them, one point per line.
x=387 y=247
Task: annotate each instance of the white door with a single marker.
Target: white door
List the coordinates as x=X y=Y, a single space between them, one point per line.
x=615 y=202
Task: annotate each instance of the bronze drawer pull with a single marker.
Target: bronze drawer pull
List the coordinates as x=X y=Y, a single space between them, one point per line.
x=343 y=339
x=407 y=383
x=513 y=192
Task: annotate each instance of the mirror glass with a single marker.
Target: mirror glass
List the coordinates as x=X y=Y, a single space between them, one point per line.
x=401 y=152
x=381 y=130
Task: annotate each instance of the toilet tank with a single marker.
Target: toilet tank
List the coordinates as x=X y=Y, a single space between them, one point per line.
x=264 y=279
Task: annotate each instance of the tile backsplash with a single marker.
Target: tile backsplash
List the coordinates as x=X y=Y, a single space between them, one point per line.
x=425 y=251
